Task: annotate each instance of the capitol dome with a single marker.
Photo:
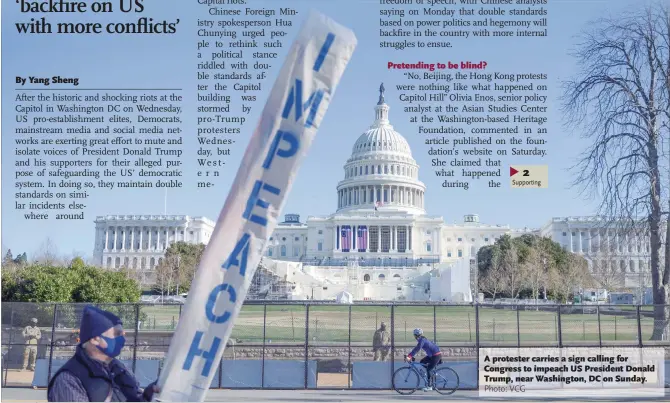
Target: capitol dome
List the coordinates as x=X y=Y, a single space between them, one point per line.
x=381 y=172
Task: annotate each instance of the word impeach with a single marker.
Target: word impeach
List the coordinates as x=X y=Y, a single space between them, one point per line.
x=284 y=145
x=296 y=105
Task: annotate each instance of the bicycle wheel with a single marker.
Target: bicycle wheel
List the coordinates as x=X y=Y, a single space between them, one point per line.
x=406 y=380
x=445 y=381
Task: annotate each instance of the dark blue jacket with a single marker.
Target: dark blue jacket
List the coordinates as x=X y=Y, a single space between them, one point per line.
x=99 y=380
x=428 y=347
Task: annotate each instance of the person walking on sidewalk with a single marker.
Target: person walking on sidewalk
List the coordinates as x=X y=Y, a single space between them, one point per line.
x=32 y=335
x=94 y=374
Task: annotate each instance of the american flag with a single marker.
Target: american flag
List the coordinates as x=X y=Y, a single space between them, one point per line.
x=362 y=238
x=346 y=238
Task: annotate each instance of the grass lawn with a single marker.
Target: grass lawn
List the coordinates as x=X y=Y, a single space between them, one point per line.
x=445 y=324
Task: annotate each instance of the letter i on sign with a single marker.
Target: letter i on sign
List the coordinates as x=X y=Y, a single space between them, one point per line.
x=296 y=105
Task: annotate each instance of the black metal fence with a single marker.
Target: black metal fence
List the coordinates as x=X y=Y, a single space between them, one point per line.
x=332 y=340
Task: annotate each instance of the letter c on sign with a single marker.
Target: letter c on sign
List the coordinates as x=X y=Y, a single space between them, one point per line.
x=211 y=303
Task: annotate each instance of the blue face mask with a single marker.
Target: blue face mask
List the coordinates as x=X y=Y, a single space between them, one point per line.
x=114 y=346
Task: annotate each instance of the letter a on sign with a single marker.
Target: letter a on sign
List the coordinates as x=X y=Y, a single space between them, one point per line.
x=295 y=108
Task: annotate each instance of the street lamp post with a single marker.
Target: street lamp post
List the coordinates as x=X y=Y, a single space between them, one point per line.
x=475 y=278
x=544 y=286
x=178 y=273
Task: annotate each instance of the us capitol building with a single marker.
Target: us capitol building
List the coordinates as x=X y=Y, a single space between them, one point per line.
x=379 y=244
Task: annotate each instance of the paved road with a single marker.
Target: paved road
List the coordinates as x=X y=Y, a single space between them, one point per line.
x=30 y=395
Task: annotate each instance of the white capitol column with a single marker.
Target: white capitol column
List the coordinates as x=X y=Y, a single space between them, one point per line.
x=107 y=238
x=571 y=248
x=141 y=232
x=579 y=240
x=132 y=238
x=391 y=238
x=123 y=239
x=116 y=232
x=158 y=238
x=149 y=245
x=616 y=241
x=379 y=238
x=626 y=248
x=410 y=245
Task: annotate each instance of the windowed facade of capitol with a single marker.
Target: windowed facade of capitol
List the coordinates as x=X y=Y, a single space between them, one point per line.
x=380 y=218
x=380 y=229
x=139 y=241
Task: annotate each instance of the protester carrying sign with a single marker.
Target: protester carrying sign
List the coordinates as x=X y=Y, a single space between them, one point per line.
x=94 y=374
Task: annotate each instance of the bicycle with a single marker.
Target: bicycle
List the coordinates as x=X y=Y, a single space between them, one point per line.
x=406 y=380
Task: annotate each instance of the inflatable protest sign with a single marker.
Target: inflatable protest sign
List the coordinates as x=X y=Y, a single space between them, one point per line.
x=290 y=119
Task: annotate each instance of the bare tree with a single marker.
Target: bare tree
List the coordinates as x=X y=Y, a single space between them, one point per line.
x=165 y=276
x=47 y=253
x=492 y=281
x=606 y=270
x=513 y=272
x=571 y=276
x=536 y=273
x=621 y=97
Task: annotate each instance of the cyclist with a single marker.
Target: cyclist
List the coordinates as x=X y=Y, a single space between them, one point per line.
x=432 y=358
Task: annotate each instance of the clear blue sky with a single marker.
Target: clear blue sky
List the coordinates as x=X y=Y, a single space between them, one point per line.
x=146 y=61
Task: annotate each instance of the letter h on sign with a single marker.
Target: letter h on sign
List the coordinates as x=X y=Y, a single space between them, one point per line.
x=195 y=351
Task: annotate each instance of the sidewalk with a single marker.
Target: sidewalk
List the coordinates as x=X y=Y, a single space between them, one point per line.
x=227 y=395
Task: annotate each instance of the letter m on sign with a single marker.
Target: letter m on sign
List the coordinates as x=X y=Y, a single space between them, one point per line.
x=295 y=96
